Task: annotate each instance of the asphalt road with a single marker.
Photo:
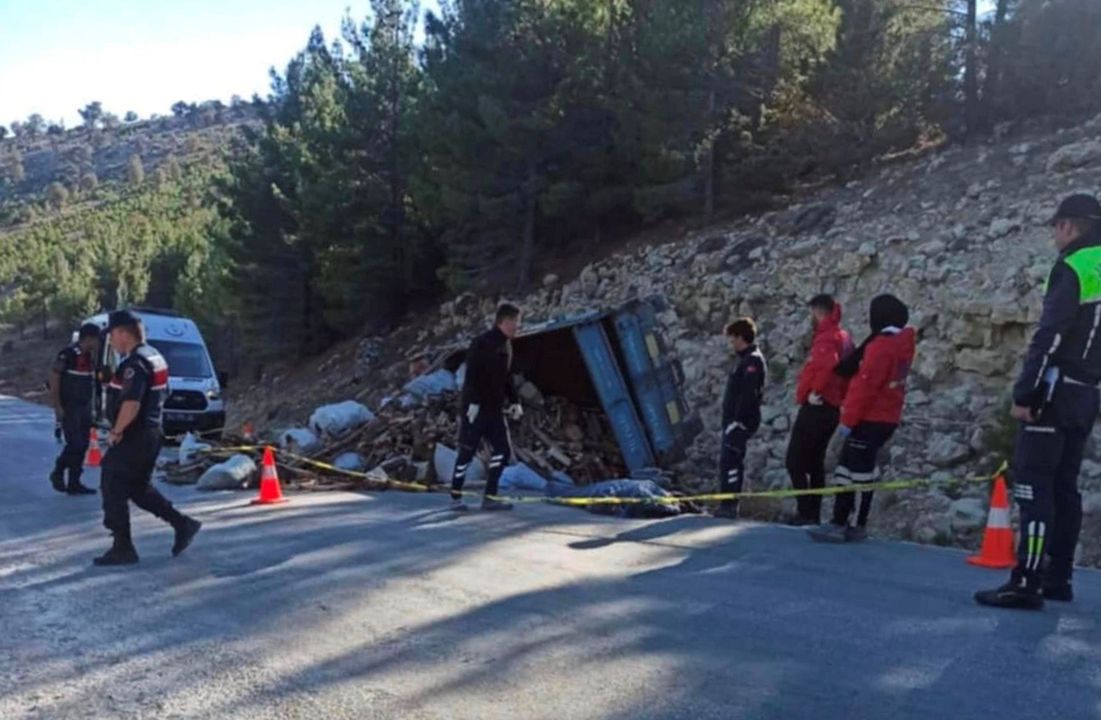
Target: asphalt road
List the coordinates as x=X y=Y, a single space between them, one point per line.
x=352 y=606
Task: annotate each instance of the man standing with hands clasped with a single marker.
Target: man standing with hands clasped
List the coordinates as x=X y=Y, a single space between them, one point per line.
x=741 y=410
x=1056 y=401
x=819 y=395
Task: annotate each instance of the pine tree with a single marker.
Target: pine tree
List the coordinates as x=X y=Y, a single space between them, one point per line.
x=499 y=72
x=57 y=195
x=135 y=170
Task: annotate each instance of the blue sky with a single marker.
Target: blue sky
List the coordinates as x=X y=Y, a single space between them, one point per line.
x=144 y=55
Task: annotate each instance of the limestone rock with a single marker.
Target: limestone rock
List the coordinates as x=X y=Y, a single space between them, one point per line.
x=990 y=363
x=968 y=515
x=1091 y=503
x=945 y=451
x=814 y=218
x=851 y=265
x=1001 y=227
x=590 y=280
x=712 y=244
x=1075 y=155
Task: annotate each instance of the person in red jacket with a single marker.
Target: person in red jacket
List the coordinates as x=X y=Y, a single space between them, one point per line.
x=819 y=395
x=870 y=414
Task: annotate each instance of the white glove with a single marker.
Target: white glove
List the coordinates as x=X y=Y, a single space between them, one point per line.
x=515 y=411
x=814 y=399
x=734 y=426
x=471 y=413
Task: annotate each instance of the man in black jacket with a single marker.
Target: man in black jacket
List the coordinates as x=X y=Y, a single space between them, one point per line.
x=741 y=410
x=486 y=390
x=1056 y=400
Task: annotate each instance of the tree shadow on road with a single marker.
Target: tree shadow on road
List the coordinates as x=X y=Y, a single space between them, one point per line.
x=745 y=625
x=687 y=617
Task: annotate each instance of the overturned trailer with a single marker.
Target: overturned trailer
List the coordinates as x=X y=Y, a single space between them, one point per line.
x=613 y=362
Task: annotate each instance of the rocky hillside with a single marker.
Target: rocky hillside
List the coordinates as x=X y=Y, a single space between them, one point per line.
x=84 y=160
x=959 y=235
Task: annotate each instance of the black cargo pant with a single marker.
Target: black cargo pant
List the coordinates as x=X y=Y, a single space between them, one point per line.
x=488 y=426
x=806 y=456
x=857 y=467
x=732 y=464
x=127 y=475
x=1045 y=483
x=76 y=426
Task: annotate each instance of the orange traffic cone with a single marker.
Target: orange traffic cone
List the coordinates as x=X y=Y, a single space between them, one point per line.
x=997 y=544
x=247 y=432
x=93 y=457
x=270 y=491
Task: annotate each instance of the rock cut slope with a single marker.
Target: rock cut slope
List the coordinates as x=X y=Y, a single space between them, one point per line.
x=960 y=236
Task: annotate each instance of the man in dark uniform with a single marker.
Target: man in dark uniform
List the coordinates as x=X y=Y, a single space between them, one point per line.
x=135 y=403
x=72 y=389
x=1056 y=400
x=741 y=410
x=486 y=390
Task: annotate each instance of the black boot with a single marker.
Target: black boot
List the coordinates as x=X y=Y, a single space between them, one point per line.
x=122 y=552
x=57 y=479
x=185 y=533
x=1020 y=593
x=830 y=533
x=76 y=487
x=1058 y=591
x=493 y=504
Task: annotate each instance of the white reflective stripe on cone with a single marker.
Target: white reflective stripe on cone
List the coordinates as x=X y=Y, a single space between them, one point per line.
x=998 y=519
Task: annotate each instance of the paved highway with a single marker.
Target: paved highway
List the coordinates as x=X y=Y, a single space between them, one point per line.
x=352 y=606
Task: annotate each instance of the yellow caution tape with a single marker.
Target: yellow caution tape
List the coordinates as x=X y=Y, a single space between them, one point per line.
x=886 y=485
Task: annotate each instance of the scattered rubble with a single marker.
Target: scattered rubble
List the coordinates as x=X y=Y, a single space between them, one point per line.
x=233 y=474
x=408 y=441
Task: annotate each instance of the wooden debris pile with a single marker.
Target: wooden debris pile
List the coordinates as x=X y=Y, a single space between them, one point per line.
x=554 y=435
x=563 y=437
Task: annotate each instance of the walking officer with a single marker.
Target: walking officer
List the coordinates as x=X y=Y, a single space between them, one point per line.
x=135 y=402
x=486 y=390
x=72 y=390
x=1056 y=401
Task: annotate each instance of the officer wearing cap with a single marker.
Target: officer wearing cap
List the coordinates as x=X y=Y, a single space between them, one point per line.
x=1056 y=401
x=135 y=401
x=72 y=389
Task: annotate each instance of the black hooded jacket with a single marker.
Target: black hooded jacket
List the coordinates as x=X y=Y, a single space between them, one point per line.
x=886 y=311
